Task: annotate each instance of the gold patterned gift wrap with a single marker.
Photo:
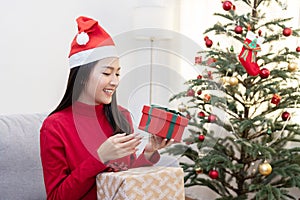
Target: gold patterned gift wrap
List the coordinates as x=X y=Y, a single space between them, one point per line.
x=143 y=183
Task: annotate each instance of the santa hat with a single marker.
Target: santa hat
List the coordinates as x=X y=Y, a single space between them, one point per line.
x=91 y=43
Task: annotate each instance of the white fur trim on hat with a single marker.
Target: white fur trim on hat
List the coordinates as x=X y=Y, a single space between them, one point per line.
x=91 y=55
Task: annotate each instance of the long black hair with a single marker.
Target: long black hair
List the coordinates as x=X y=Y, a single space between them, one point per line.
x=77 y=80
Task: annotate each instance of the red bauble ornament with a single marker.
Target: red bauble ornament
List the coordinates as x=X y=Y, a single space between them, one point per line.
x=208 y=42
x=287 y=32
x=227 y=5
x=285 y=116
x=199 y=77
x=238 y=30
x=212 y=118
x=201 y=137
x=214 y=174
x=298 y=49
x=264 y=73
x=199 y=92
x=201 y=114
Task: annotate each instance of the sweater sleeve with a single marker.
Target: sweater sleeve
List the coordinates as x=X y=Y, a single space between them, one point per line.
x=60 y=181
x=142 y=161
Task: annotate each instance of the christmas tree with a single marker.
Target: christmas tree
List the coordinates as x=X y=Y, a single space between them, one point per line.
x=243 y=142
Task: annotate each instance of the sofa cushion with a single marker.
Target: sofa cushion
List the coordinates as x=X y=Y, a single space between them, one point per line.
x=21 y=174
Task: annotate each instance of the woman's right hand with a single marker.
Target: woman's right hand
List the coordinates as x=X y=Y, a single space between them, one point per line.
x=118 y=146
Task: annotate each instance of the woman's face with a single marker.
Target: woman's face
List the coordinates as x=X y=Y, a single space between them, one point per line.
x=102 y=82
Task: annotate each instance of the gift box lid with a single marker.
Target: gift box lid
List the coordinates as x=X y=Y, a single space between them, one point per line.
x=165 y=114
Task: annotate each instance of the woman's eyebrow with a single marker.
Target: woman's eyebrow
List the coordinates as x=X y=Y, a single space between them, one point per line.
x=112 y=68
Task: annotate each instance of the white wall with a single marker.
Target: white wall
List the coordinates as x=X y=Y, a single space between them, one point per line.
x=35 y=40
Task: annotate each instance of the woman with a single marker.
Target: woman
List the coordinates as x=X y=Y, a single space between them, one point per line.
x=88 y=133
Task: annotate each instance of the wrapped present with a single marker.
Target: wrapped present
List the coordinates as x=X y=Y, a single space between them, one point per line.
x=143 y=183
x=163 y=122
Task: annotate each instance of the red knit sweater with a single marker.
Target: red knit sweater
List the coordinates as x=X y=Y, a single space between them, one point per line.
x=69 y=141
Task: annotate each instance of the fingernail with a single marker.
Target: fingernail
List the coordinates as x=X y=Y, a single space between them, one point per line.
x=172 y=140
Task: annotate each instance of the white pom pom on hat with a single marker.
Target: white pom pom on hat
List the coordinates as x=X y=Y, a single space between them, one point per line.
x=82 y=38
x=92 y=43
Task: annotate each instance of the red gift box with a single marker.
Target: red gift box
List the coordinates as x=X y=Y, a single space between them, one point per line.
x=275 y=99
x=163 y=122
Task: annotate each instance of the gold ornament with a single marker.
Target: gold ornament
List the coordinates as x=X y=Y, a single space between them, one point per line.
x=199 y=170
x=181 y=107
x=265 y=168
x=233 y=81
x=225 y=79
x=292 y=67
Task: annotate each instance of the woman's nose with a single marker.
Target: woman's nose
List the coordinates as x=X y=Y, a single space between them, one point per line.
x=114 y=80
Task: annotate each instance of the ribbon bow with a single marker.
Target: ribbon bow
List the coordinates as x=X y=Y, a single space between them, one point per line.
x=166 y=109
x=253 y=47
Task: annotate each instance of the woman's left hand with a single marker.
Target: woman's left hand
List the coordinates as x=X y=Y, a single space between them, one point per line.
x=155 y=143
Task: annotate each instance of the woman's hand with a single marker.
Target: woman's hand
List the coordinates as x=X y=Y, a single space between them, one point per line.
x=156 y=143
x=118 y=146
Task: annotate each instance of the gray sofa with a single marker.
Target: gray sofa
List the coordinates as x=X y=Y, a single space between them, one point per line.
x=21 y=174
x=20 y=167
